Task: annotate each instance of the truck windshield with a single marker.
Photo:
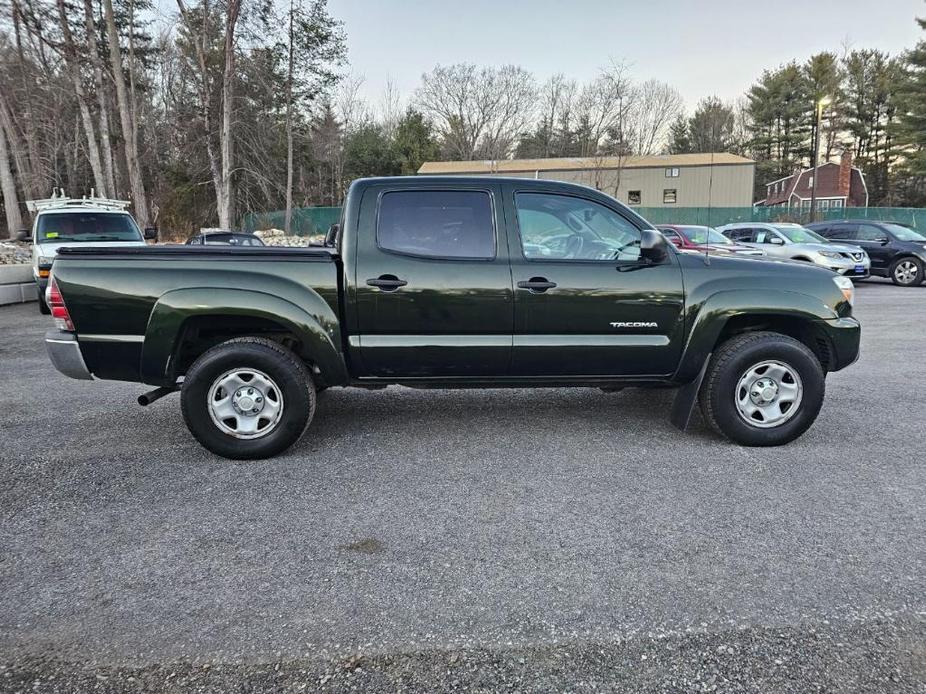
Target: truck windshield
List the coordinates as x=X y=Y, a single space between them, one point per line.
x=798 y=234
x=75 y=227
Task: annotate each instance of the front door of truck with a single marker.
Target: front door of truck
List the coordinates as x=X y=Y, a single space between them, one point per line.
x=433 y=286
x=585 y=302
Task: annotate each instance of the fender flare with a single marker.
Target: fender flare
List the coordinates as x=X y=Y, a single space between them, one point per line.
x=314 y=323
x=712 y=315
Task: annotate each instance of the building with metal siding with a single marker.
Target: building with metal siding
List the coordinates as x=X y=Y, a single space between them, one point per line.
x=672 y=180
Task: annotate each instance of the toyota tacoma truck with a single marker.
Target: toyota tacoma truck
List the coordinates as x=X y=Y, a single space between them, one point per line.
x=447 y=282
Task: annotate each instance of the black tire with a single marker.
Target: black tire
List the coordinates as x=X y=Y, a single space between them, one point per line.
x=907 y=262
x=290 y=375
x=732 y=360
x=43 y=307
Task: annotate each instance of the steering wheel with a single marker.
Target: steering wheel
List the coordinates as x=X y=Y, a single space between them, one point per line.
x=573 y=246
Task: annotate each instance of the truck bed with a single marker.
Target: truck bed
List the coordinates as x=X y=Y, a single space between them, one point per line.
x=112 y=292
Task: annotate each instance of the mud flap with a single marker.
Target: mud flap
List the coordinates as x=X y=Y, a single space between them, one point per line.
x=686 y=397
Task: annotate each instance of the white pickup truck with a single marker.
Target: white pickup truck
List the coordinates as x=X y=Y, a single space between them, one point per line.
x=61 y=221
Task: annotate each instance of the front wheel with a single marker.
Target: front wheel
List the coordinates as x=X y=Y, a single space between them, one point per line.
x=907 y=272
x=247 y=398
x=762 y=389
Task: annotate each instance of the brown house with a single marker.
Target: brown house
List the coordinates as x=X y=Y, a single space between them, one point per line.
x=838 y=185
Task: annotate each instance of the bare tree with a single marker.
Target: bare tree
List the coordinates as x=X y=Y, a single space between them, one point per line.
x=14 y=219
x=71 y=59
x=478 y=111
x=390 y=108
x=102 y=102
x=655 y=106
x=129 y=126
x=227 y=135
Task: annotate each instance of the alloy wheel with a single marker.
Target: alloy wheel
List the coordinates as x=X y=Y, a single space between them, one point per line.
x=906 y=272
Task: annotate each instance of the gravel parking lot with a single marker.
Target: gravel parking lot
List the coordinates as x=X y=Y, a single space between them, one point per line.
x=434 y=540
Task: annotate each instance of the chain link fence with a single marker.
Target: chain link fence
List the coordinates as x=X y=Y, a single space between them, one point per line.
x=306 y=221
x=914 y=217
x=309 y=221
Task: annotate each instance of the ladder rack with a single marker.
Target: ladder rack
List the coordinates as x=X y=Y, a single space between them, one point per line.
x=59 y=200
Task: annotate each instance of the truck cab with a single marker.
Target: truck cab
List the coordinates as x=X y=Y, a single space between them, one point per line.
x=62 y=222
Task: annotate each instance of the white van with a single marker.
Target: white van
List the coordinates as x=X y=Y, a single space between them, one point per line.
x=61 y=221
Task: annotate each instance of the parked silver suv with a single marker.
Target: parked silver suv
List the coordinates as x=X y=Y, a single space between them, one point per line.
x=788 y=241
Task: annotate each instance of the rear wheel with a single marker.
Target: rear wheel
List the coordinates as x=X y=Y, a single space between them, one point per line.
x=907 y=272
x=247 y=398
x=762 y=389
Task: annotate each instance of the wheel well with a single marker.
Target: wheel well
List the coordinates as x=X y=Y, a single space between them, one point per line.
x=802 y=259
x=801 y=329
x=905 y=256
x=201 y=333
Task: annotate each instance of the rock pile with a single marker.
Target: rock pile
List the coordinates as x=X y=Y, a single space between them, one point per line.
x=277 y=237
x=13 y=252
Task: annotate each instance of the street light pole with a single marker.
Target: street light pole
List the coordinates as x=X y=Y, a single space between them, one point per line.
x=818 y=116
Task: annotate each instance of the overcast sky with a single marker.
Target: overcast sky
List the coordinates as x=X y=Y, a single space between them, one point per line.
x=701 y=47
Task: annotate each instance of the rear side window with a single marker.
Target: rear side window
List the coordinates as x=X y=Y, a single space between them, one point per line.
x=437 y=224
x=838 y=232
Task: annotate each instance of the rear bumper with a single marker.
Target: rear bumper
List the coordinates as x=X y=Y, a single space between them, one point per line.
x=844 y=335
x=65 y=355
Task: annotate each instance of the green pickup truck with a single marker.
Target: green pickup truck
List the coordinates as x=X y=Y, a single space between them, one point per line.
x=453 y=282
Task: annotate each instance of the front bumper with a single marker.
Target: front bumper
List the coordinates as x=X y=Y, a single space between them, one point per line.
x=848 y=268
x=65 y=355
x=844 y=336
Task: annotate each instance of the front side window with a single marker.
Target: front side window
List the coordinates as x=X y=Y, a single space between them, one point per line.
x=903 y=233
x=562 y=227
x=86 y=226
x=869 y=232
x=437 y=224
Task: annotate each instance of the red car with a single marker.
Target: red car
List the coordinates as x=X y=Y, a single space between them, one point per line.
x=701 y=239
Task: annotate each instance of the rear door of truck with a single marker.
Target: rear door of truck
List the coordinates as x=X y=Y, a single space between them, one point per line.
x=432 y=287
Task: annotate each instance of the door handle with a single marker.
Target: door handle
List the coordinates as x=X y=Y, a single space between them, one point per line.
x=536 y=285
x=386 y=283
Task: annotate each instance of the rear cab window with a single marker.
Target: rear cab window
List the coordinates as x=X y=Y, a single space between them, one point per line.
x=439 y=224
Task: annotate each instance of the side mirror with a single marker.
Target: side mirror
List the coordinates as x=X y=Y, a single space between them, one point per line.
x=884 y=240
x=23 y=235
x=331 y=237
x=151 y=233
x=675 y=241
x=653 y=246
x=775 y=241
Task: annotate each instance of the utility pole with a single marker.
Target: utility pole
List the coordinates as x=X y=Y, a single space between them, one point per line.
x=818 y=117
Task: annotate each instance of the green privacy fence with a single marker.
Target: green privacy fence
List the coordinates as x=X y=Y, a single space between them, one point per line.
x=307 y=221
x=718 y=216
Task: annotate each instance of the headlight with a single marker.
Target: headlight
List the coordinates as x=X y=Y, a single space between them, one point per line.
x=45 y=259
x=846 y=287
x=830 y=254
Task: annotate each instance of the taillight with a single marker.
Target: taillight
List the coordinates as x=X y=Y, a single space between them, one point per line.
x=58 y=310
